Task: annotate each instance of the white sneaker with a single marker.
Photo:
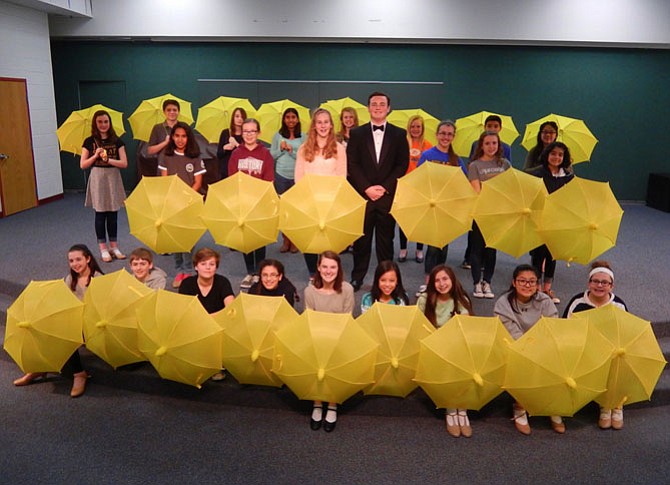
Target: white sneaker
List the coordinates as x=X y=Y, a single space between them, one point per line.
x=486 y=289
x=422 y=289
x=247 y=282
x=478 y=293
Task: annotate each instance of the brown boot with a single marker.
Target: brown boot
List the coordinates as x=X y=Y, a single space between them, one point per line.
x=294 y=248
x=286 y=245
x=79 y=384
x=29 y=378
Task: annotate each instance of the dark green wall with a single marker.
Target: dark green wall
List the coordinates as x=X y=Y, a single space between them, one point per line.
x=621 y=93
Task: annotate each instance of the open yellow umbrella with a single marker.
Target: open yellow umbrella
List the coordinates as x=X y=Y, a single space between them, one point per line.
x=335 y=107
x=462 y=364
x=180 y=339
x=433 y=204
x=324 y=356
x=44 y=326
x=508 y=211
x=469 y=129
x=321 y=213
x=242 y=212
x=110 y=319
x=150 y=112
x=637 y=360
x=580 y=221
x=558 y=366
x=270 y=116
x=571 y=131
x=215 y=116
x=249 y=326
x=400 y=117
x=398 y=331
x=164 y=213
x=77 y=127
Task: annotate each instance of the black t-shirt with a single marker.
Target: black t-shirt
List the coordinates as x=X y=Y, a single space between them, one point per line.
x=285 y=288
x=213 y=302
x=91 y=144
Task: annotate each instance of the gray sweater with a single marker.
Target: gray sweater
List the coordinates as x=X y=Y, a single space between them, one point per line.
x=526 y=315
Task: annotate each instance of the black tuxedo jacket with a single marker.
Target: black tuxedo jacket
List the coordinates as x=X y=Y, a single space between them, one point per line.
x=362 y=167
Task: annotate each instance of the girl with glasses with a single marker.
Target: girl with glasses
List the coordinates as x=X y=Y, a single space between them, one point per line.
x=599 y=293
x=273 y=282
x=519 y=309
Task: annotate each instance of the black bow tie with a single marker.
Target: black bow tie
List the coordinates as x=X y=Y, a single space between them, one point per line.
x=377 y=127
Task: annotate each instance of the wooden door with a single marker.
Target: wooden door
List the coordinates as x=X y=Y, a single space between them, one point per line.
x=17 y=166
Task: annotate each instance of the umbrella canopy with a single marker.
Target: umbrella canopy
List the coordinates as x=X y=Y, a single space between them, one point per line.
x=400 y=117
x=434 y=203
x=508 y=211
x=180 y=339
x=44 y=326
x=470 y=128
x=77 y=127
x=324 y=356
x=110 y=319
x=558 y=366
x=580 y=221
x=335 y=107
x=150 y=112
x=462 y=364
x=242 y=212
x=215 y=116
x=249 y=326
x=573 y=132
x=321 y=213
x=164 y=213
x=397 y=330
x=270 y=116
x=637 y=360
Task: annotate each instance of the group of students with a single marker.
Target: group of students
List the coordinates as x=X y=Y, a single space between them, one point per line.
x=519 y=308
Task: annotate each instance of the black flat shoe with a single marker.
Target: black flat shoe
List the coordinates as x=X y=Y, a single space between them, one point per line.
x=328 y=427
x=314 y=424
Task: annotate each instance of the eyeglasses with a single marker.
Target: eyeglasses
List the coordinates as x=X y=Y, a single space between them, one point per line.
x=249 y=132
x=523 y=282
x=270 y=276
x=600 y=282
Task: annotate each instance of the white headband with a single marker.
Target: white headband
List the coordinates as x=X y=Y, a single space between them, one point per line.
x=601 y=269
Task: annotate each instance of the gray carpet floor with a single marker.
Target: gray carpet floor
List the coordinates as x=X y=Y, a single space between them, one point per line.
x=132 y=427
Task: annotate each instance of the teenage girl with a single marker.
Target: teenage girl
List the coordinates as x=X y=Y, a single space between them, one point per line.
x=230 y=139
x=348 y=121
x=105 y=153
x=444 y=298
x=547 y=134
x=181 y=157
x=83 y=267
x=387 y=287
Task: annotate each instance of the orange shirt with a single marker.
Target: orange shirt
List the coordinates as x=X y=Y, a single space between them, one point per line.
x=415 y=152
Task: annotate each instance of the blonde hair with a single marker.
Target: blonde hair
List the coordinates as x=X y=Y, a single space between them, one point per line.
x=411 y=120
x=310 y=149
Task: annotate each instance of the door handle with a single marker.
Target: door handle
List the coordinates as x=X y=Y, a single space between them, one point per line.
x=3 y=157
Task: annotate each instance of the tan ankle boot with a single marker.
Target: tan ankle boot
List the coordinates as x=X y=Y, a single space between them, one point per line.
x=79 y=384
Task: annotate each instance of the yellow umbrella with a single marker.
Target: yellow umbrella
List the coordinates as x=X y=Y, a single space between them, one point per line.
x=164 y=213
x=470 y=128
x=150 y=112
x=324 y=356
x=462 y=364
x=44 y=326
x=508 y=211
x=400 y=117
x=110 y=319
x=180 y=339
x=558 y=366
x=335 y=107
x=320 y=213
x=573 y=132
x=580 y=221
x=637 y=360
x=242 y=212
x=397 y=330
x=77 y=127
x=433 y=204
x=270 y=116
x=249 y=326
x=215 y=116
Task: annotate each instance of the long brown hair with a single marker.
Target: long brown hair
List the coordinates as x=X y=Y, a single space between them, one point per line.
x=457 y=294
x=479 y=151
x=337 y=284
x=111 y=134
x=93 y=265
x=453 y=158
x=342 y=134
x=231 y=129
x=310 y=148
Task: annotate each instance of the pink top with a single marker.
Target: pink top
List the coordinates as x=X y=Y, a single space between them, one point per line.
x=336 y=165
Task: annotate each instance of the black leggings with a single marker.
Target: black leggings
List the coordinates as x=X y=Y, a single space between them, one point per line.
x=106 y=223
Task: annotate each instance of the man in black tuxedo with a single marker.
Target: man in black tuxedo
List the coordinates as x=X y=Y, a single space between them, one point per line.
x=377 y=155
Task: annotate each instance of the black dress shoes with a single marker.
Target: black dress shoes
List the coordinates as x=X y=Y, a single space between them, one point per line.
x=356 y=284
x=314 y=424
x=328 y=426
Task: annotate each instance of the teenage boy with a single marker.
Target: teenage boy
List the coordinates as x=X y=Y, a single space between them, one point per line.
x=142 y=267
